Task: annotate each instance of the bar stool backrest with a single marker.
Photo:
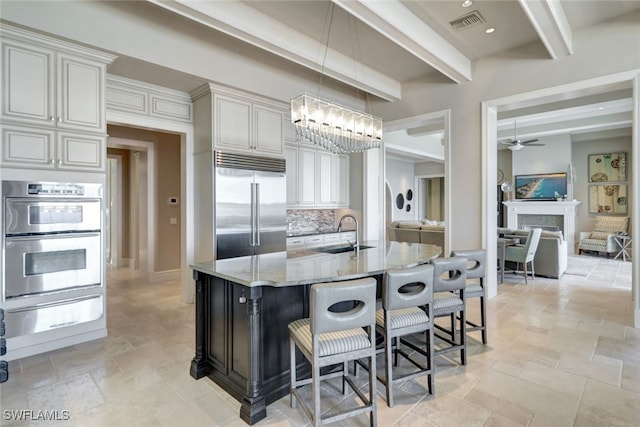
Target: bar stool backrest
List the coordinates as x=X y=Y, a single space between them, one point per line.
x=456 y=277
x=476 y=262
x=407 y=287
x=325 y=295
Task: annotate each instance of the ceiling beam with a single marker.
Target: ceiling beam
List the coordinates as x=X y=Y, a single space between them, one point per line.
x=397 y=23
x=551 y=24
x=251 y=26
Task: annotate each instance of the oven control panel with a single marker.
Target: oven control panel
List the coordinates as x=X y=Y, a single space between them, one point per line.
x=49 y=189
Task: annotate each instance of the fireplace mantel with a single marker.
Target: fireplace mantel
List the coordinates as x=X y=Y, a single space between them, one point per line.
x=567 y=209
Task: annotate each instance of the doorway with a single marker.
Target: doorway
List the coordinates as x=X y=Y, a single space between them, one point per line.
x=131 y=195
x=430 y=197
x=430 y=164
x=489 y=140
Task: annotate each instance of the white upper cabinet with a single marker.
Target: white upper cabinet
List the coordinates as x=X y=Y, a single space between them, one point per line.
x=316 y=178
x=333 y=179
x=53 y=103
x=325 y=178
x=46 y=87
x=307 y=177
x=341 y=180
x=238 y=121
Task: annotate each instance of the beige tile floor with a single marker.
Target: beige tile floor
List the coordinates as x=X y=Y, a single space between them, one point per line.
x=560 y=353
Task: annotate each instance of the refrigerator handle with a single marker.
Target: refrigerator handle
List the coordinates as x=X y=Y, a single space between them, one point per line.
x=252 y=241
x=257 y=240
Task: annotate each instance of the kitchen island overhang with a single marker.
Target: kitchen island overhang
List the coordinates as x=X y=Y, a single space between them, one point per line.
x=244 y=305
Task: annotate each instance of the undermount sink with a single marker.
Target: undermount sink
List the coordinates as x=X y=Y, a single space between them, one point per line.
x=339 y=249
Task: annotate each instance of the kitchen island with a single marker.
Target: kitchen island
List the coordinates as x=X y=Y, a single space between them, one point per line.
x=244 y=305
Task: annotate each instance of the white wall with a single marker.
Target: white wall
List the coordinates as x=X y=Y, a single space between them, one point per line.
x=400 y=179
x=555 y=156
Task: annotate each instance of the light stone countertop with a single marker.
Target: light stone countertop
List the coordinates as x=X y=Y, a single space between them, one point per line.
x=303 y=267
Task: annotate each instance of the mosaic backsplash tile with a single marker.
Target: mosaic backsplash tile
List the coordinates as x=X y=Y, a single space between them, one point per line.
x=311 y=220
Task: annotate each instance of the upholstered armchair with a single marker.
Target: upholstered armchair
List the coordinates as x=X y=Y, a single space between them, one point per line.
x=601 y=238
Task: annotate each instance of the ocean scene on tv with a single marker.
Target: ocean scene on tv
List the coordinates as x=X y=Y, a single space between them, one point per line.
x=541 y=187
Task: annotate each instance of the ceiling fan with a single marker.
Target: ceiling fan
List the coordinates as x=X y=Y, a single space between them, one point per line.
x=516 y=144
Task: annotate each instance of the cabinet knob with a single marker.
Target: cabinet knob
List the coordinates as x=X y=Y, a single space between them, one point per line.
x=51 y=161
x=59 y=119
x=51 y=118
x=59 y=161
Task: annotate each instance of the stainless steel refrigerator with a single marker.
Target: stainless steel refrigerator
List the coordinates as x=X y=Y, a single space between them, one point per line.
x=250 y=205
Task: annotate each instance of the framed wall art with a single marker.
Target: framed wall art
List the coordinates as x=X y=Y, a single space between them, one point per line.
x=608 y=199
x=608 y=167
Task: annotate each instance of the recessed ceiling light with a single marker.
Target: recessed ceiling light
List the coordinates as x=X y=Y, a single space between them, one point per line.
x=489 y=30
x=600 y=108
x=467 y=3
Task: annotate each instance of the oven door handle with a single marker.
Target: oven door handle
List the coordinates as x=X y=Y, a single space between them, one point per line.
x=52 y=304
x=32 y=237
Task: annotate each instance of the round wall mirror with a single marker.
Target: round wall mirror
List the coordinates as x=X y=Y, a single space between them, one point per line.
x=408 y=208
x=409 y=194
x=400 y=201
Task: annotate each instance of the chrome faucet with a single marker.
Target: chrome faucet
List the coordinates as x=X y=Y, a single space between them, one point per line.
x=356 y=244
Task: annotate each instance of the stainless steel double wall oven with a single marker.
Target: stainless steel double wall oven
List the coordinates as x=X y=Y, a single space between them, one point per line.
x=52 y=248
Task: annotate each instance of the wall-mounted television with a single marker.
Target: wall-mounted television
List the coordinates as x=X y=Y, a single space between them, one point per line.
x=543 y=186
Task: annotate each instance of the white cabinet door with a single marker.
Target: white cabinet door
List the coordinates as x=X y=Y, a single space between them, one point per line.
x=269 y=130
x=333 y=179
x=325 y=178
x=28 y=83
x=291 y=159
x=232 y=124
x=81 y=151
x=80 y=94
x=307 y=176
x=27 y=147
x=341 y=180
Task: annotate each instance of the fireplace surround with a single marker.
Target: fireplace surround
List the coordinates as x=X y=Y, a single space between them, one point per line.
x=551 y=213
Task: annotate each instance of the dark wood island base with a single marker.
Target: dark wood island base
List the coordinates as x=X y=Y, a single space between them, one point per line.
x=244 y=306
x=242 y=339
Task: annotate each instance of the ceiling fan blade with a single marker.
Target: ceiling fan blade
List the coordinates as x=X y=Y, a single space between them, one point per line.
x=535 y=145
x=529 y=141
x=507 y=142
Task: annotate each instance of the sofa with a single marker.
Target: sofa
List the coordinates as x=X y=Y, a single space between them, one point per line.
x=418 y=231
x=552 y=254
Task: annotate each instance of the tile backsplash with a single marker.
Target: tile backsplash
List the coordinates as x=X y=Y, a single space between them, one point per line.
x=311 y=220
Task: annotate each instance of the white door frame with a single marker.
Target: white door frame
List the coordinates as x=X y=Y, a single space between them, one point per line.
x=490 y=165
x=115 y=210
x=187 y=177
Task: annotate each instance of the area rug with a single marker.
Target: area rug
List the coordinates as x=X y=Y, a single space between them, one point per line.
x=581 y=266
